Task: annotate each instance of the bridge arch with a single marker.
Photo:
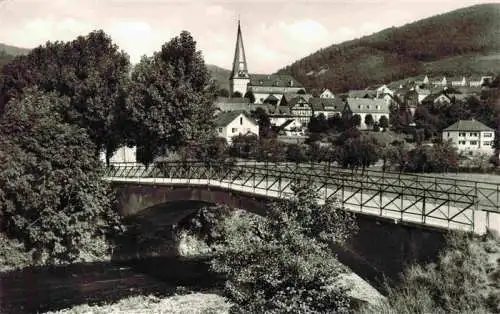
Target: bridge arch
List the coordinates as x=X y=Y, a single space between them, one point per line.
x=135 y=198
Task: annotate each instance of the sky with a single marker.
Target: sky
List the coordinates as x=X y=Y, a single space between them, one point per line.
x=275 y=32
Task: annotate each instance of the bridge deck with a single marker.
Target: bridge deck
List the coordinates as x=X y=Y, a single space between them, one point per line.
x=448 y=203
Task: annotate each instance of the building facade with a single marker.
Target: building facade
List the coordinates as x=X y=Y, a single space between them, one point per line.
x=233 y=123
x=470 y=136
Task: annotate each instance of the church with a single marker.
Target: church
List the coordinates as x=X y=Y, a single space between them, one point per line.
x=266 y=88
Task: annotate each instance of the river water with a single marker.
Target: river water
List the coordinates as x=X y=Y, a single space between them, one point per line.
x=38 y=290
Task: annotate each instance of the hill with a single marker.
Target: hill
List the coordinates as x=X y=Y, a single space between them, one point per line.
x=219 y=75
x=8 y=52
x=460 y=42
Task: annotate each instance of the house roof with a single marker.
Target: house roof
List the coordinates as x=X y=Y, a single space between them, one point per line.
x=362 y=93
x=224 y=118
x=366 y=105
x=248 y=107
x=325 y=104
x=232 y=100
x=468 y=125
x=276 y=80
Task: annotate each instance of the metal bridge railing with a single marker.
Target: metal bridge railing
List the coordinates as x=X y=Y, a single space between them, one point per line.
x=449 y=201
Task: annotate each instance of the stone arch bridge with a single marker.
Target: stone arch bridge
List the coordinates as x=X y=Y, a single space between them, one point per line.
x=402 y=217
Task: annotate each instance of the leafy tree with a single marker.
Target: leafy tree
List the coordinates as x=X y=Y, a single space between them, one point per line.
x=171 y=99
x=376 y=127
x=236 y=94
x=384 y=123
x=318 y=124
x=296 y=153
x=91 y=71
x=301 y=92
x=356 y=120
x=262 y=118
x=282 y=263
x=244 y=146
x=250 y=96
x=271 y=150
x=336 y=123
x=358 y=152
x=369 y=121
x=223 y=92
x=52 y=196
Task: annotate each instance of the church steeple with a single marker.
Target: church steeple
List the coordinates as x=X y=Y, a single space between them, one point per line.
x=239 y=79
x=240 y=68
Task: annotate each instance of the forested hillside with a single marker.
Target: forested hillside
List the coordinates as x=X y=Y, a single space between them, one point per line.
x=219 y=75
x=461 y=42
x=8 y=52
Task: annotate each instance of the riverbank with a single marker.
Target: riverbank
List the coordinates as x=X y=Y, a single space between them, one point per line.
x=192 y=303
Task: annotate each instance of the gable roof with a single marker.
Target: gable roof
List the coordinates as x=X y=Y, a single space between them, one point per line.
x=468 y=125
x=276 y=80
x=367 y=105
x=224 y=118
x=323 y=104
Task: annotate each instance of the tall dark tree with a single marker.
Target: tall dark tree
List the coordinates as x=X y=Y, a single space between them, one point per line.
x=171 y=99
x=91 y=71
x=383 y=122
x=52 y=196
x=223 y=92
x=369 y=121
x=236 y=94
x=262 y=118
x=250 y=96
x=356 y=120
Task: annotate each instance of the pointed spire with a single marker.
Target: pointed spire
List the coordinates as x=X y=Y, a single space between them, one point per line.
x=240 y=62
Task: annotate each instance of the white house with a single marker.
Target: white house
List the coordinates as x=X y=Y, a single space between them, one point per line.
x=383 y=90
x=470 y=136
x=365 y=106
x=233 y=123
x=327 y=94
x=122 y=155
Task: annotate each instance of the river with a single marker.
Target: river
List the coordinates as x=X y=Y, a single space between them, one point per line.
x=42 y=289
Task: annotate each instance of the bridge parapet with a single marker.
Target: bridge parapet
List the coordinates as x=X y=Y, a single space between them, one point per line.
x=426 y=200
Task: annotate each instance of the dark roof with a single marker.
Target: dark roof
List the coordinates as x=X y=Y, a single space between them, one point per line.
x=248 y=107
x=468 y=125
x=322 y=104
x=232 y=100
x=271 y=97
x=362 y=93
x=224 y=118
x=277 y=80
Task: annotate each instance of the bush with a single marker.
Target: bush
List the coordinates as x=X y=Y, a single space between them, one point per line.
x=282 y=263
x=461 y=281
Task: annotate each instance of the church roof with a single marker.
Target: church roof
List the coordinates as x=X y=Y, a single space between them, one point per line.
x=240 y=62
x=274 y=80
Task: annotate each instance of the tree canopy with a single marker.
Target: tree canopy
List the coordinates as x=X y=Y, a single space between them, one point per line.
x=90 y=70
x=52 y=197
x=171 y=99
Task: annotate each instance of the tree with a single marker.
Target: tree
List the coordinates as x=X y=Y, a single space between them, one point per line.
x=52 y=196
x=223 y=92
x=271 y=150
x=250 y=96
x=262 y=118
x=356 y=120
x=91 y=71
x=384 y=123
x=244 y=146
x=369 y=121
x=171 y=99
x=296 y=153
x=236 y=94
x=282 y=263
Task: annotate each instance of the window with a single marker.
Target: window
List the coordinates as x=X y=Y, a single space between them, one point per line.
x=378 y=107
x=461 y=142
x=234 y=130
x=486 y=143
x=220 y=130
x=359 y=106
x=487 y=135
x=472 y=134
x=241 y=120
x=461 y=134
x=473 y=142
